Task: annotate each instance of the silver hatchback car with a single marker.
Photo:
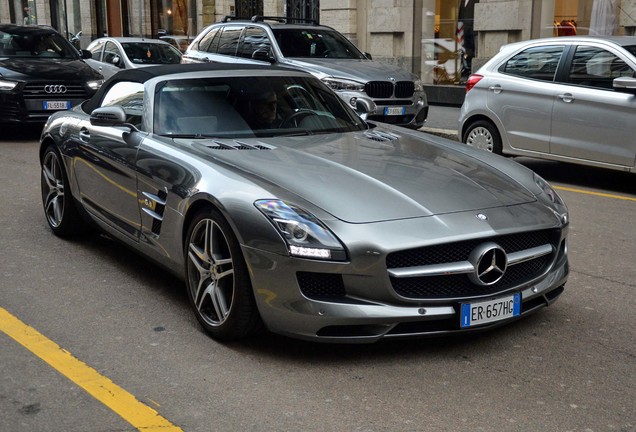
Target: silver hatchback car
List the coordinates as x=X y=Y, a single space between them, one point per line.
x=569 y=99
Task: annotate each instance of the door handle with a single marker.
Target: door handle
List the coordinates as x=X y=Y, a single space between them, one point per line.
x=566 y=97
x=84 y=135
x=496 y=89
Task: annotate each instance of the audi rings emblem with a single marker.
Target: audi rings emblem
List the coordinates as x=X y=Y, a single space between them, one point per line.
x=490 y=262
x=55 y=89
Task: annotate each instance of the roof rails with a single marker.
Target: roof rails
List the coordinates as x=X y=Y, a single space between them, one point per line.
x=261 y=18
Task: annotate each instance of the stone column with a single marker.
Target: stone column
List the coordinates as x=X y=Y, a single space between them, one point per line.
x=341 y=15
x=627 y=17
x=499 y=22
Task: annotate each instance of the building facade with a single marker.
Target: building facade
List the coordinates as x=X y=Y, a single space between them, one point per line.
x=440 y=40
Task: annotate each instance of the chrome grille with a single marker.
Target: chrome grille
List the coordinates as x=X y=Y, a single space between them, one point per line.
x=36 y=91
x=459 y=285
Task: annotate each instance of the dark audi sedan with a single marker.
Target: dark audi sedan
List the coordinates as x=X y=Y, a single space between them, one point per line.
x=40 y=73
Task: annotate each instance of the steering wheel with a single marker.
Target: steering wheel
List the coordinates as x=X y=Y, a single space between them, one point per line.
x=295 y=119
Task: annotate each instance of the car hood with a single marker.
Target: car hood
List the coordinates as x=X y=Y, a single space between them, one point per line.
x=46 y=69
x=375 y=176
x=357 y=69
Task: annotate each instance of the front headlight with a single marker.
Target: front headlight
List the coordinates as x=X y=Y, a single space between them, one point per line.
x=95 y=85
x=305 y=235
x=337 y=84
x=7 y=85
x=549 y=194
x=419 y=86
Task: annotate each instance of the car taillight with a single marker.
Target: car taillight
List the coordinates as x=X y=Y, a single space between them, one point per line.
x=472 y=80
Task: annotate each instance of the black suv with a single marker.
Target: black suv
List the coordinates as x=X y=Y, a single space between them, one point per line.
x=41 y=72
x=394 y=95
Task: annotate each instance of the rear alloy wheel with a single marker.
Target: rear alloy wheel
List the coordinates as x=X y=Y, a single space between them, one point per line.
x=483 y=135
x=59 y=207
x=218 y=283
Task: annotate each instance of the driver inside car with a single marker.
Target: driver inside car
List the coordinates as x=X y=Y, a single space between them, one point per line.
x=260 y=109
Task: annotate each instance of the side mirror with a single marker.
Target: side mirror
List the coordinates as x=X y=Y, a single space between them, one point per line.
x=368 y=56
x=108 y=116
x=625 y=85
x=86 y=54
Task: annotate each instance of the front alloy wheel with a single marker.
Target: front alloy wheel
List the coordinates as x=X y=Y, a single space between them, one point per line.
x=59 y=207
x=218 y=282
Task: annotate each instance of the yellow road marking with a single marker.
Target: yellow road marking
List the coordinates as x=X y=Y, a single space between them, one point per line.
x=620 y=197
x=141 y=416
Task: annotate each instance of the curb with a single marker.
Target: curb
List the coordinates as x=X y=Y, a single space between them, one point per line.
x=445 y=133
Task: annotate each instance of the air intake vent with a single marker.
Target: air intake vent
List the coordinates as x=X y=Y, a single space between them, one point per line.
x=237 y=145
x=381 y=136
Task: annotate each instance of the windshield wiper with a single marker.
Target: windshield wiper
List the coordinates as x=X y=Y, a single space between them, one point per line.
x=297 y=132
x=186 y=136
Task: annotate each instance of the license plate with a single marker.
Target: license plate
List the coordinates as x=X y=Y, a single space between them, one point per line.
x=393 y=111
x=474 y=314
x=57 y=105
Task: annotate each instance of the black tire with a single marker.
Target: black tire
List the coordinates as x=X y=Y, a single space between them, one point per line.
x=218 y=282
x=59 y=207
x=484 y=135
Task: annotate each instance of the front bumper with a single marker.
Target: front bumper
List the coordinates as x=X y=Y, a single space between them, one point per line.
x=13 y=109
x=365 y=306
x=26 y=102
x=407 y=112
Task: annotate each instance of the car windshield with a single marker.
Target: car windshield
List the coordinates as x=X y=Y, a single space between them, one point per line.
x=36 y=43
x=151 y=53
x=250 y=106
x=306 y=43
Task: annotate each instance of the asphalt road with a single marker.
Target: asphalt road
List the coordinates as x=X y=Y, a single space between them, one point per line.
x=570 y=367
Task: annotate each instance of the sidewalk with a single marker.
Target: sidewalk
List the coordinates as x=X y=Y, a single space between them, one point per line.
x=442 y=121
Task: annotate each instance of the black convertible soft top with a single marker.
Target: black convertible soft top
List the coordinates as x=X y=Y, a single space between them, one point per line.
x=143 y=74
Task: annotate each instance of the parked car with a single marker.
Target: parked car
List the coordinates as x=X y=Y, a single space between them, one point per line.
x=569 y=99
x=397 y=94
x=179 y=42
x=41 y=72
x=112 y=54
x=323 y=227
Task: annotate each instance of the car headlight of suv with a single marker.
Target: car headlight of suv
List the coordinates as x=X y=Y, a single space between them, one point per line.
x=7 y=85
x=95 y=85
x=338 y=84
x=419 y=86
x=549 y=195
x=306 y=236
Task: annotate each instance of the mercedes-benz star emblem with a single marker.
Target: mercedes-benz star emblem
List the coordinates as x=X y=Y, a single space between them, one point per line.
x=490 y=262
x=56 y=89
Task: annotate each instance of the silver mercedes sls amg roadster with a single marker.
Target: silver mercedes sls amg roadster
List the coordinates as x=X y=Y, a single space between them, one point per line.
x=281 y=208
